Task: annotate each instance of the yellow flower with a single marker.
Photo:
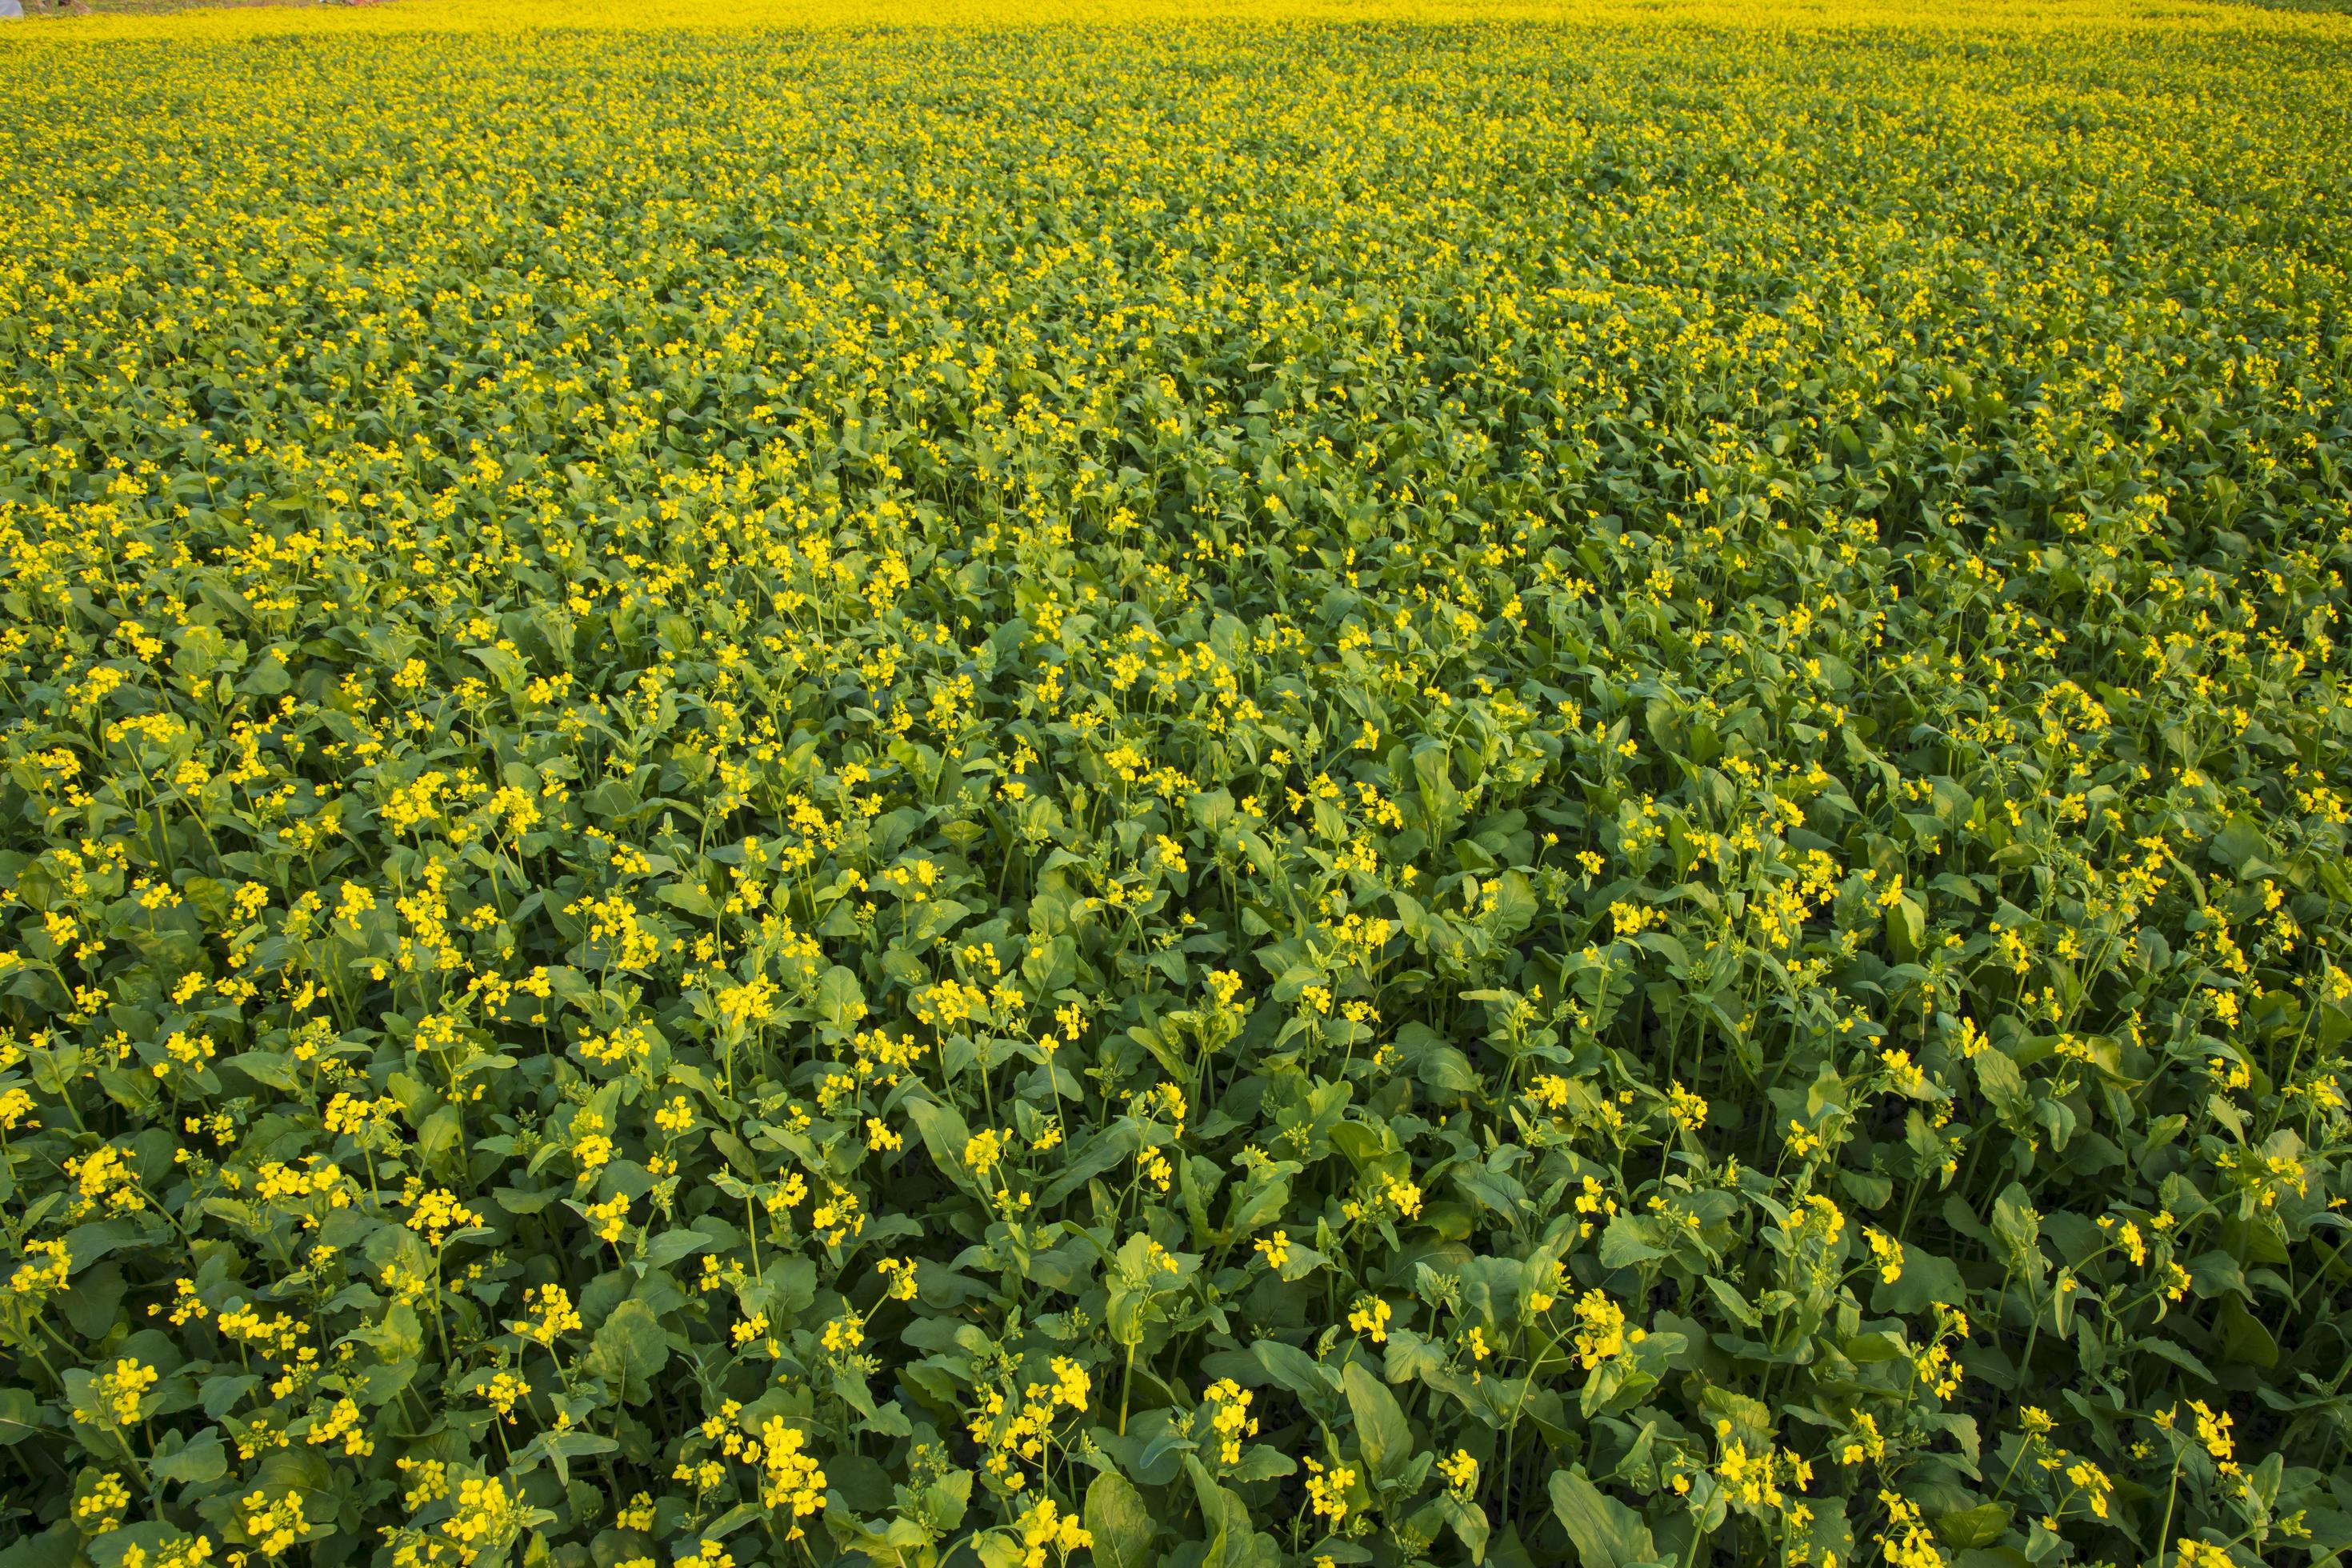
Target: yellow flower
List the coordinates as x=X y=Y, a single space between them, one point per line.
x=1049 y=1526
x=271 y=1524
x=2092 y=1483
x=1328 y=1491
x=98 y=1506
x=2214 y=1432
x=901 y=1273
x=790 y=1480
x=1276 y=1249
x=503 y=1391
x=118 y=1393
x=1600 y=1332
x=1230 y=1421
x=552 y=1315
x=434 y=1214
x=609 y=1217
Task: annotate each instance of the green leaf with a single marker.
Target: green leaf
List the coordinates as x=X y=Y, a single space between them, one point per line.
x=1380 y=1430
x=944 y=1500
x=2018 y=1228
x=2244 y=1339
x=2177 y=1355
x=1907 y=929
x=1515 y=904
x=20 y=1415
x=1121 y=1140
x=1440 y=801
x=1293 y=1368
x=2003 y=1084
x=53 y=1548
x=943 y=1132
x=560 y=1448
x=1117 y=1520
x=689 y=897
x=1979 y=1526
x=669 y=1246
x=1926 y=1280
x=1733 y=1302
x=1263 y=1462
x=840 y=999
x=150 y=1536
x=1301 y=1262
x=1607 y=1533
x=1411 y=1356
x=201 y=1459
x=1445 y=1070
x=628 y=1349
x=1626 y=1244
x=1469 y=1522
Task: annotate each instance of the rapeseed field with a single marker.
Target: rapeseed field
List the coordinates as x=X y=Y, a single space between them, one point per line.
x=1257 y=786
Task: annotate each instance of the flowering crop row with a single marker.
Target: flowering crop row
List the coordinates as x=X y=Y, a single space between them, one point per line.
x=1548 y=786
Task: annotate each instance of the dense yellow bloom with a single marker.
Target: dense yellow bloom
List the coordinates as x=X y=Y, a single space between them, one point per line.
x=1530 y=650
x=434 y=1215
x=1601 y=1333
x=1328 y=1491
x=43 y=1273
x=1230 y=1421
x=1889 y=1254
x=789 y=1477
x=552 y=1315
x=1906 y=1542
x=608 y=1217
x=901 y=1273
x=1049 y=1526
x=273 y=1524
x=118 y=1393
x=98 y=1508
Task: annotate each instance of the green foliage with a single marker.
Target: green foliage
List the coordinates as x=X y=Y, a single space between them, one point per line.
x=1225 y=796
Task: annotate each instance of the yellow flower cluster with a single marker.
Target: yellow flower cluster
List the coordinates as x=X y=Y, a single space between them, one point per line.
x=1537 y=656
x=553 y=1315
x=98 y=1508
x=789 y=1477
x=118 y=1393
x=434 y=1214
x=1328 y=1491
x=1009 y=1432
x=1049 y=1526
x=273 y=1524
x=1227 y=1403
x=1599 y=1332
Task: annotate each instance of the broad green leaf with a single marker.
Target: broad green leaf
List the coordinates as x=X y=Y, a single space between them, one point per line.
x=1625 y=1243
x=628 y=1350
x=840 y=1000
x=1381 y=1434
x=1979 y=1526
x=202 y=1459
x=1117 y=1519
x=1607 y=1534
